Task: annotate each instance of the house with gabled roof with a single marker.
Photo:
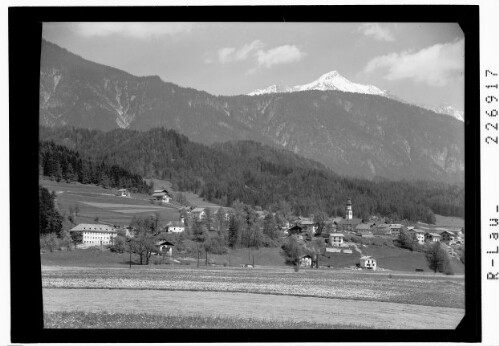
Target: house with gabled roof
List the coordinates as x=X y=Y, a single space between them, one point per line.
x=162 y=195
x=123 y=193
x=448 y=236
x=198 y=213
x=368 y=262
x=432 y=237
x=336 y=239
x=418 y=235
x=363 y=229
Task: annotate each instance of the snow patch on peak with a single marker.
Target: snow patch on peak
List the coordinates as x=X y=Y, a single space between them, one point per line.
x=332 y=80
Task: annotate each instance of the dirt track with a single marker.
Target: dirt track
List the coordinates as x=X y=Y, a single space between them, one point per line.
x=246 y=305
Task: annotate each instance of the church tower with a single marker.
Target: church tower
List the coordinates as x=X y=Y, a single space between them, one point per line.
x=348 y=210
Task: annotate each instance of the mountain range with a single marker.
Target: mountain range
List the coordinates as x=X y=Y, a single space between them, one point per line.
x=335 y=81
x=354 y=133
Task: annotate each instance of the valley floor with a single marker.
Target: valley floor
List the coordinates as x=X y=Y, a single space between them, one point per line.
x=230 y=305
x=315 y=297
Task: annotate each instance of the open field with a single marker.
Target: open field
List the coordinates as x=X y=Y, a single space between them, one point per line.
x=239 y=298
x=449 y=221
x=193 y=198
x=95 y=201
x=179 y=309
x=426 y=289
x=127 y=320
x=393 y=259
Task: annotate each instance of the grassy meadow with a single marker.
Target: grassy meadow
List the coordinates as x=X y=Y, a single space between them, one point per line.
x=95 y=201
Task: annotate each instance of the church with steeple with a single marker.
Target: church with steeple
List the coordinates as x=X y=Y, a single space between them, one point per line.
x=348 y=223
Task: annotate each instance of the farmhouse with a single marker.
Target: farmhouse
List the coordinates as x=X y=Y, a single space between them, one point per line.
x=165 y=247
x=418 y=235
x=336 y=239
x=306 y=261
x=395 y=229
x=448 y=236
x=95 y=234
x=295 y=230
x=368 y=262
x=308 y=225
x=123 y=193
x=162 y=195
x=198 y=213
x=175 y=227
x=432 y=237
x=363 y=228
x=348 y=225
x=383 y=229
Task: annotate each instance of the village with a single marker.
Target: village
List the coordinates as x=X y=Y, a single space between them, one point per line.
x=336 y=236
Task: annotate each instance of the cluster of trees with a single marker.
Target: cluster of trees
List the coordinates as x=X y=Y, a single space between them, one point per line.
x=62 y=163
x=259 y=175
x=50 y=220
x=51 y=224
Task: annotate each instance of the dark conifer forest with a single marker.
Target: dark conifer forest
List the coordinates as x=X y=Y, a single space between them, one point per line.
x=61 y=163
x=247 y=171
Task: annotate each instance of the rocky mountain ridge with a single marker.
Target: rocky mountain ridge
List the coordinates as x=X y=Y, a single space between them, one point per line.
x=354 y=134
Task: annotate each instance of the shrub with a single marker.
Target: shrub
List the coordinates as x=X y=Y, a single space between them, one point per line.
x=49 y=242
x=215 y=245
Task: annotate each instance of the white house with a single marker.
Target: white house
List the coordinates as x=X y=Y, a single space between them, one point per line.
x=418 y=235
x=162 y=195
x=175 y=227
x=95 y=234
x=336 y=239
x=123 y=193
x=368 y=262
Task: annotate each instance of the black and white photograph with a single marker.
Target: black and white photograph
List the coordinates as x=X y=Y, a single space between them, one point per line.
x=254 y=175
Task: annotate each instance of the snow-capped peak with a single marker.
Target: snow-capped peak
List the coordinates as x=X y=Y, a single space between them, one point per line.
x=449 y=110
x=271 y=90
x=329 y=81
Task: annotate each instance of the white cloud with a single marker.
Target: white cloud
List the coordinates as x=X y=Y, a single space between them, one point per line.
x=265 y=58
x=134 y=30
x=225 y=54
x=279 y=55
x=231 y=54
x=377 y=31
x=436 y=65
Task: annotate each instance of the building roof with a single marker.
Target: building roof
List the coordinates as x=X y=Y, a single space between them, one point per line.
x=450 y=232
x=365 y=226
x=353 y=221
x=367 y=257
x=198 y=210
x=163 y=242
x=175 y=224
x=123 y=190
x=159 y=194
x=307 y=222
x=416 y=230
x=395 y=225
x=434 y=234
x=87 y=227
x=336 y=235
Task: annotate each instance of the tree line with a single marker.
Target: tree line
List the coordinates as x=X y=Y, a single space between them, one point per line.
x=61 y=163
x=259 y=175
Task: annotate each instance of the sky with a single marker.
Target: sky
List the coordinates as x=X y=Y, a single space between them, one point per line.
x=422 y=63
